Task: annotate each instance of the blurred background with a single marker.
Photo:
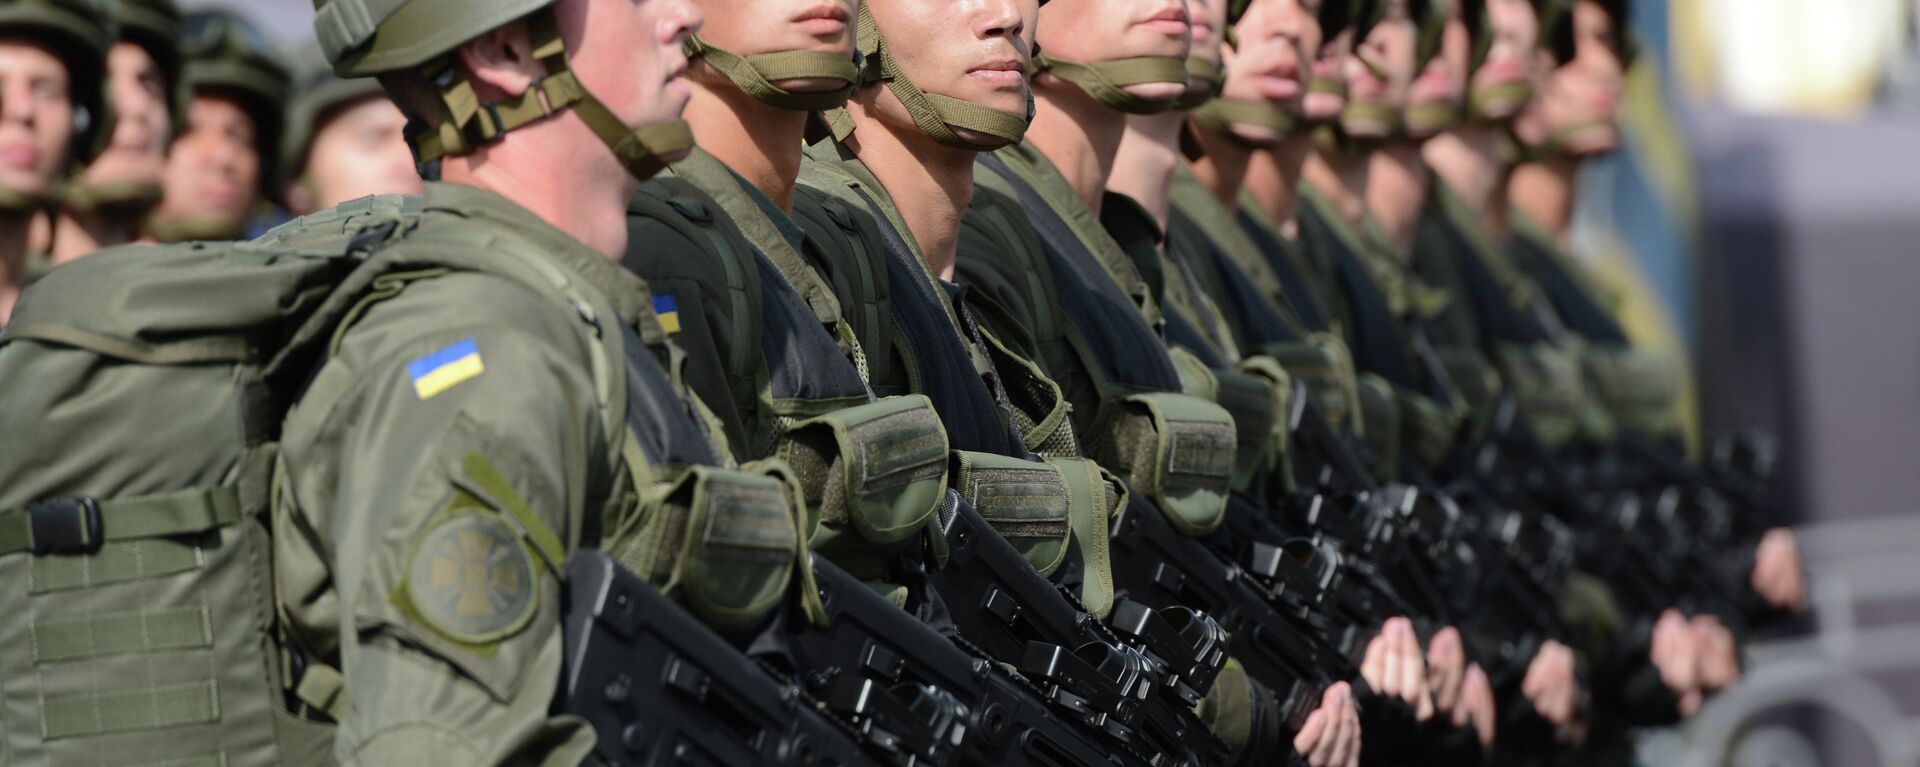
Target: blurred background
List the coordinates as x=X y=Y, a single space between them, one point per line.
x=1763 y=217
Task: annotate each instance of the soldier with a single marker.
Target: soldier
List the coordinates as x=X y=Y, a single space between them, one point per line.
x=106 y=204
x=220 y=167
x=437 y=437
x=343 y=140
x=52 y=109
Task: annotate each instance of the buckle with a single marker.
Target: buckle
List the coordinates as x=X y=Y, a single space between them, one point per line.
x=68 y=525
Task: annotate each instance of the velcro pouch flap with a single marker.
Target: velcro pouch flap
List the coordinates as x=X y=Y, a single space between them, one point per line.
x=1094 y=497
x=873 y=474
x=1259 y=417
x=737 y=542
x=1179 y=450
x=1028 y=502
x=1428 y=430
x=1639 y=386
x=1323 y=363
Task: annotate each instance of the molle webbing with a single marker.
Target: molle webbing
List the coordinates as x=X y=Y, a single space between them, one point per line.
x=467 y=122
x=1213 y=74
x=936 y=115
x=757 y=75
x=1107 y=81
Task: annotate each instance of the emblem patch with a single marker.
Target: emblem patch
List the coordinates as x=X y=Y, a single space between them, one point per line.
x=472 y=580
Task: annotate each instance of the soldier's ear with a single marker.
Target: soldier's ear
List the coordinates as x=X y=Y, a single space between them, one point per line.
x=500 y=63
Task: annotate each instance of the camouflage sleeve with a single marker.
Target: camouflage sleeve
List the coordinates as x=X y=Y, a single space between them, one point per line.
x=448 y=480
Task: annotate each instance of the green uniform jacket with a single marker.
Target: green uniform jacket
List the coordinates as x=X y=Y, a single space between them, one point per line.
x=439 y=466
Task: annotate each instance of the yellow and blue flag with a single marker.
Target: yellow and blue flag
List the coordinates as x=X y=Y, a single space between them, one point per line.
x=445 y=369
x=667 y=308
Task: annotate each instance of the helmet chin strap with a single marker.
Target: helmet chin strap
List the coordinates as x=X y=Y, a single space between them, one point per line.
x=1220 y=115
x=131 y=196
x=12 y=201
x=939 y=117
x=467 y=123
x=1215 y=76
x=1107 y=81
x=758 y=75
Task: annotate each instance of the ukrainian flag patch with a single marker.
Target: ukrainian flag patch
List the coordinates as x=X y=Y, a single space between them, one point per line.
x=445 y=369
x=667 y=308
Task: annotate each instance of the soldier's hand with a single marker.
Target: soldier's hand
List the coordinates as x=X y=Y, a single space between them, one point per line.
x=1477 y=704
x=1778 y=574
x=1676 y=653
x=1719 y=656
x=1331 y=735
x=1446 y=670
x=1555 y=693
x=1395 y=668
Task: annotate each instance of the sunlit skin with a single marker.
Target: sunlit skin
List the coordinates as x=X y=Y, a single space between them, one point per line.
x=136 y=153
x=1273 y=175
x=1443 y=82
x=1516 y=36
x=1079 y=135
x=36 y=136
x=1472 y=157
x=213 y=169
x=1578 y=104
x=1273 y=60
x=357 y=150
x=974 y=50
x=627 y=54
x=761 y=142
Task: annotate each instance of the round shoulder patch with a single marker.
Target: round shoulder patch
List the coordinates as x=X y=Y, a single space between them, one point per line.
x=472 y=580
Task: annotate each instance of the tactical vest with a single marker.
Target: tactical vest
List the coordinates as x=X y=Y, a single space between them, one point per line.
x=148 y=389
x=873 y=469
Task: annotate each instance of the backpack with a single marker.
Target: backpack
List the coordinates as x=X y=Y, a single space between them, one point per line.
x=141 y=394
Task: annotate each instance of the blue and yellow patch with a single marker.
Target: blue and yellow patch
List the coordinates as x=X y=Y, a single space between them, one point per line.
x=667 y=308
x=445 y=369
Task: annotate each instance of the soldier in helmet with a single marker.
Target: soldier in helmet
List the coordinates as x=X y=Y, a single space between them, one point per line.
x=107 y=202
x=343 y=140
x=52 y=108
x=461 y=438
x=220 y=167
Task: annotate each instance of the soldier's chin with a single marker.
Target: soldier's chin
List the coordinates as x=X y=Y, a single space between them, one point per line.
x=984 y=142
x=1502 y=102
x=1322 y=108
x=1591 y=140
x=1368 y=122
x=1259 y=136
x=811 y=84
x=1166 y=92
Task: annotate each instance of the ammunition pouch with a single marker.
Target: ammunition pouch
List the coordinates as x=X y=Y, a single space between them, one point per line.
x=660 y=687
x=1324 y=364
x=1545 y=382
x=1637 y=387
x=1042 y=507
x=1262 y=447
x=1428 y=431
x=874 y=475
x=724 y=542
x=1175 y=449
x=1380 y=419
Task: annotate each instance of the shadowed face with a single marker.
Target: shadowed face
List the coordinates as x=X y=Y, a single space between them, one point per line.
x=977 y=51
x=1090 y=31
x=1271 y=61
x=1578 y=107
x=1378 y=75
x=1330 y=67
x=358 y=150
x=143 y=120
x=213 y=169
x=1516 y=36
x=753 y=27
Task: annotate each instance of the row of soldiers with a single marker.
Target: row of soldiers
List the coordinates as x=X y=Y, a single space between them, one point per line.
x=1065 y=382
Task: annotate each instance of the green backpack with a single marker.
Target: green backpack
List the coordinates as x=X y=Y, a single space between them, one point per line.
x=141 y=394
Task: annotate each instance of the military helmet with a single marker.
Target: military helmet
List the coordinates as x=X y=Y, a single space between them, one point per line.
x=363 y=38
x=79 y=33
x=155 y=26
x=319 y=92
x=229 y=55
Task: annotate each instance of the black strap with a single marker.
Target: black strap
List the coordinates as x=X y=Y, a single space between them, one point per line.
x=1119 y=343
x=1299 y=290
x=803 y=361
x=668 y=429
x=1577 y=309
x=1379 y=346
x=1252 y=314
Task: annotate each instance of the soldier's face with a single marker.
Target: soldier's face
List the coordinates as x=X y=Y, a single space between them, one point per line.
x=213 y=169
x=142 y=126
x=36 y=118
x=1089 y=31
x=358 y=150
x=627 y=54
x=1443 y=83
x=1209 y=23
x=1275 y=44
x=1378 y=74
x=978 y=51
x=1330 y=67
x=749 y=27
x=1579 y=102
x=1516 y=35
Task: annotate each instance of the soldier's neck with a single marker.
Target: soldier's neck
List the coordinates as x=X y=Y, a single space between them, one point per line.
x=1472 y=161
x=14 y=228
x=1274 y=177
x=762 y=143
x=1544 y=191
x=559 y=171
x=1397 y=186
x=76 y=234
x=1143 y=168
x=1340 y=175
x=1223 y=165
x=1078 y=135
x=930 y=183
